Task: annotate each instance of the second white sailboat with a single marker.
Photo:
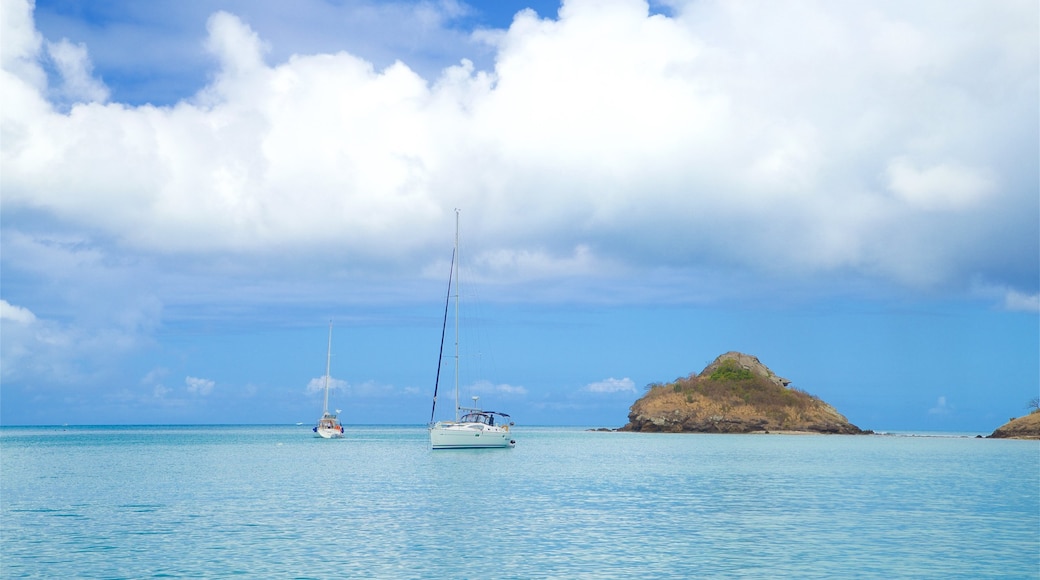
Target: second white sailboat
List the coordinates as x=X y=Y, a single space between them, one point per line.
x=328 y=426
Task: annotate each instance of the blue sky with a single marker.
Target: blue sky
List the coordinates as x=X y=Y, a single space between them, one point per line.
x=192 y=190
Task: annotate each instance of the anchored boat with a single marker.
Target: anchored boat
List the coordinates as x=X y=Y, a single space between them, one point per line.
x=328 y=426
x=476 y=428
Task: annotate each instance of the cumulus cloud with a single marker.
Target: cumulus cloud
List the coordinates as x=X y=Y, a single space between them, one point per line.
x=612 y=385
x=16 y=314
x=1021 y=302
x=19 y=47
x=485 y=386
x=199 y=386
x=318 y=385
x=86 y=309
x=69 y=351
x=75 y=68
x=813 y=139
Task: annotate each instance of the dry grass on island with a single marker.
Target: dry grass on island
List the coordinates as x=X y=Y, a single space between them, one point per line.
x=1026 y=427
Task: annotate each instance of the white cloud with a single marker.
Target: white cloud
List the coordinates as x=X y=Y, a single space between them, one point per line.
x=99 y=308
x=612 y=385
x=16 y=314
x=73 y=351
x=513 y=265
x=814 y=138
x=239 y=49
x=1007 y=298
x=1021 y=302
x=19 y=47
x=78 y=84
x=317 y=385
x=484 y=386
x=199 y=386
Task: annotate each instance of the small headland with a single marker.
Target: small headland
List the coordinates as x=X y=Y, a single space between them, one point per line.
x=1025 y=427
x=734 y=394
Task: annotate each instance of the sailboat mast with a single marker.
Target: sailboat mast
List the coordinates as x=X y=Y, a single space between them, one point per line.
x=457 y=267
x=328 y=367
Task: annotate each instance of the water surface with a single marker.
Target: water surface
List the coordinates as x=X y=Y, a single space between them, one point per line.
x=273 y=501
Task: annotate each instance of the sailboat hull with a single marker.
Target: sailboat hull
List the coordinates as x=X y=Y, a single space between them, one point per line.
x=330 y=433
x=451 y=435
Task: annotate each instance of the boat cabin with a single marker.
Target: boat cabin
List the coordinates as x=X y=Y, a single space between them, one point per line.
x=484 y=418
x=328 y=422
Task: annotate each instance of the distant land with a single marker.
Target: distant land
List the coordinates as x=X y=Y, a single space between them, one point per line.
x=1026 y=427
x=734 y=394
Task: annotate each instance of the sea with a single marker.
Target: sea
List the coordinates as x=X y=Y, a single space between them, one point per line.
x=566 y=502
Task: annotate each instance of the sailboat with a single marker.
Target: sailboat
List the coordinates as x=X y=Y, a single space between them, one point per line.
x=476 y=428
x=328 y=426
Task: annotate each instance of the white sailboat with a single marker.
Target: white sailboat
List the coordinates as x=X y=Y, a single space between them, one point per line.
x=476 y=428
x=328 y=426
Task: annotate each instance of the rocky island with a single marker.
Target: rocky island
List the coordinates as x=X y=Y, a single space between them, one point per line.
x=734 y=394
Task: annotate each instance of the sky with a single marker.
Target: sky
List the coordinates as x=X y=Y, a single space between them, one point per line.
x=191 y=191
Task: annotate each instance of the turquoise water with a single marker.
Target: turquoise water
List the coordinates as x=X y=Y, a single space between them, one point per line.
x=274 y=502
